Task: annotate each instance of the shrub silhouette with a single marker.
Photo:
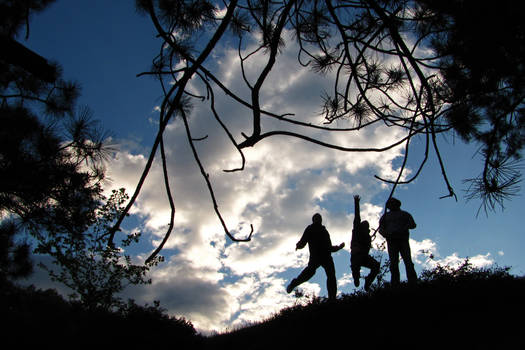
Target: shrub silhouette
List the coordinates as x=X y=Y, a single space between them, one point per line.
x=449 y=308
x=42 y=317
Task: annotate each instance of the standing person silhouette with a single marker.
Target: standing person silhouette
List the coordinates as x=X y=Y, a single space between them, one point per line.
x=321 y=250
x=394 y=226
x=360 y=247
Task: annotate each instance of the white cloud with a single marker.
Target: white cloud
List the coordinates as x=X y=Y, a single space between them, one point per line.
x=347 y=279
x=422 y=250
x=259 y=298
x=209 y=280
x=477 y=261
x=426 y=254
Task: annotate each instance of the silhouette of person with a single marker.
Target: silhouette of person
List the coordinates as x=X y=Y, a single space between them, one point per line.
x=321 y=250
x=394 y=225
x=360 y=247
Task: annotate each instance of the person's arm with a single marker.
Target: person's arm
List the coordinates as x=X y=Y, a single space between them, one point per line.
x=357 y=215
x=335 y=248
x=332 y=248
x=302 y=242
x=411 y=224
x=382 y=229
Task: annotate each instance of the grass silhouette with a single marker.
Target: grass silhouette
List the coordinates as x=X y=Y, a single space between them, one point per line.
x=463 y=308
x=460 y=308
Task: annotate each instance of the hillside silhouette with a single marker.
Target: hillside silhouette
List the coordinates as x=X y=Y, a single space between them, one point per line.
x=474 y=308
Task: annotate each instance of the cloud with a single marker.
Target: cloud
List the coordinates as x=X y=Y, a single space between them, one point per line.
x=188 y=290
x=426 y=254
x=258 y=298
x=454 y=261
x=422 y=250
x=208 y=279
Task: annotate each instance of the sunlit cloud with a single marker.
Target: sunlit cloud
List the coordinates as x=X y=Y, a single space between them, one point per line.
x=218 y=284
x=455 y=261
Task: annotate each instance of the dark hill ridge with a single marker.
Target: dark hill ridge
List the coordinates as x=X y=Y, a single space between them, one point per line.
x=475 y=310
x=445 y=310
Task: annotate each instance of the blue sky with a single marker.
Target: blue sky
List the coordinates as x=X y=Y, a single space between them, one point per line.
x=213 y=283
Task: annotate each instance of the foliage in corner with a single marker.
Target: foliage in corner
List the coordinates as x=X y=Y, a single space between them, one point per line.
x=94 y=270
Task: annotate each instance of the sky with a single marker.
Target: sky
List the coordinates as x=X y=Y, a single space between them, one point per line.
x=206 y=278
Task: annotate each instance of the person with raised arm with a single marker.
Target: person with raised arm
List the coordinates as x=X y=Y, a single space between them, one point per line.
x=360 y=249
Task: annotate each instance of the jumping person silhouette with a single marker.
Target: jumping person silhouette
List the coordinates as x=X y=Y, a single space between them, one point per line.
x=321 y=250
x=394 y=225
x=360 y=247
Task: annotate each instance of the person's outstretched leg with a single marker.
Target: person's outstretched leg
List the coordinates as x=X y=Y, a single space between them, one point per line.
x=304 y=276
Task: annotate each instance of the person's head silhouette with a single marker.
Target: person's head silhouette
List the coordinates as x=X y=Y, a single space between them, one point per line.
x=317 y=219
x=364 y=226
x=393 y=204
